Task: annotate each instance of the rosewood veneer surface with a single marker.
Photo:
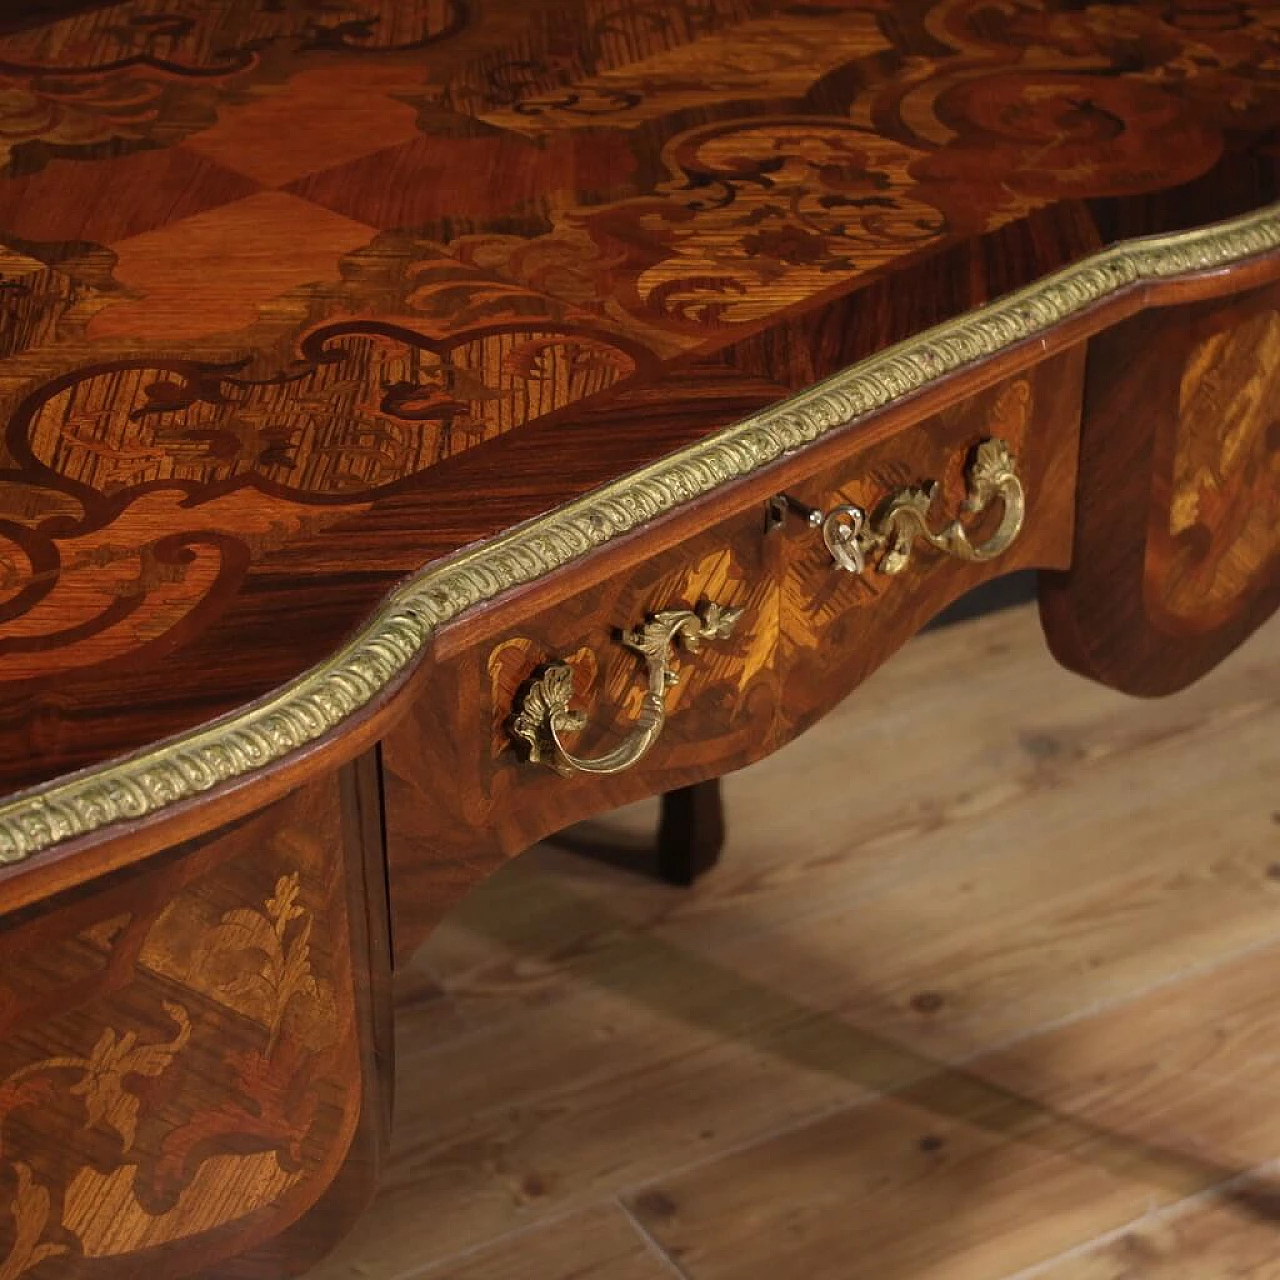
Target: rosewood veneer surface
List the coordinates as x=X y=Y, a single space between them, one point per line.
x=306 y=304
x=300 y=298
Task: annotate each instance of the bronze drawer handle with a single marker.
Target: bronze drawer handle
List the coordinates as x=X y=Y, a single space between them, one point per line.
x=853 y=538
x=545 y=713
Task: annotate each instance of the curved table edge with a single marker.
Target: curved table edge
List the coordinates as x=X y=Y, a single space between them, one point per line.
x=300 y=716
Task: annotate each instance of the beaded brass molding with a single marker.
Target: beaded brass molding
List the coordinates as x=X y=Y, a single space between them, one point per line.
x=382 y=652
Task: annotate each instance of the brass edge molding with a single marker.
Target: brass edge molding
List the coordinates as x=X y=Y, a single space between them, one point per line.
x=321 y=699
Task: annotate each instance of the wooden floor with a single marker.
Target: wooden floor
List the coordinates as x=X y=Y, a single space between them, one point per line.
x=986 y=987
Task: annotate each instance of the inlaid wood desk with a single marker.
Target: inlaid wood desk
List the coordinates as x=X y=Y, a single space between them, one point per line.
x=430 y=422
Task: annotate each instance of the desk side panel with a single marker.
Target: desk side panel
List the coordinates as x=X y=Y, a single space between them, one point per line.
x=1176 y=558
x=185 y=1056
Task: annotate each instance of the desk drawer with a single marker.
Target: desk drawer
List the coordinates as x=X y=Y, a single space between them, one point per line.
x=687 y=638
x=507 y=785
x=717 y=651
x=803 y=633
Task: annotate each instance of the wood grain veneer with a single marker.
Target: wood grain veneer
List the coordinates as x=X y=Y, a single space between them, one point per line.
x=808 y=635
x=356 y=359
x=253 y=380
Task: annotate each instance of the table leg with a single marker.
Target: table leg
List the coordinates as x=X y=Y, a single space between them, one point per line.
x=691 y=832
x=690 y=836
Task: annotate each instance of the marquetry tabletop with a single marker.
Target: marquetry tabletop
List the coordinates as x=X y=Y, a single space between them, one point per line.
x=298 y=298
x=430 y=423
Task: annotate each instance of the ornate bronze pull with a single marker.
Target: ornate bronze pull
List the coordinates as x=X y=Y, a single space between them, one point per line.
x=545 y=713
x=854 y=539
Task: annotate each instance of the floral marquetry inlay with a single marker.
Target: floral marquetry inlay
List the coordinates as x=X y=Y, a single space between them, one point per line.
x=209 y=1086
x=398 y=396
x=1224 y=517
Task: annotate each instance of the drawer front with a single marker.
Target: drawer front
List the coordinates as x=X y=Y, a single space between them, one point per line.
x=472 y=772
x=836 y=626
x=719 y=592
x=459 y=778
